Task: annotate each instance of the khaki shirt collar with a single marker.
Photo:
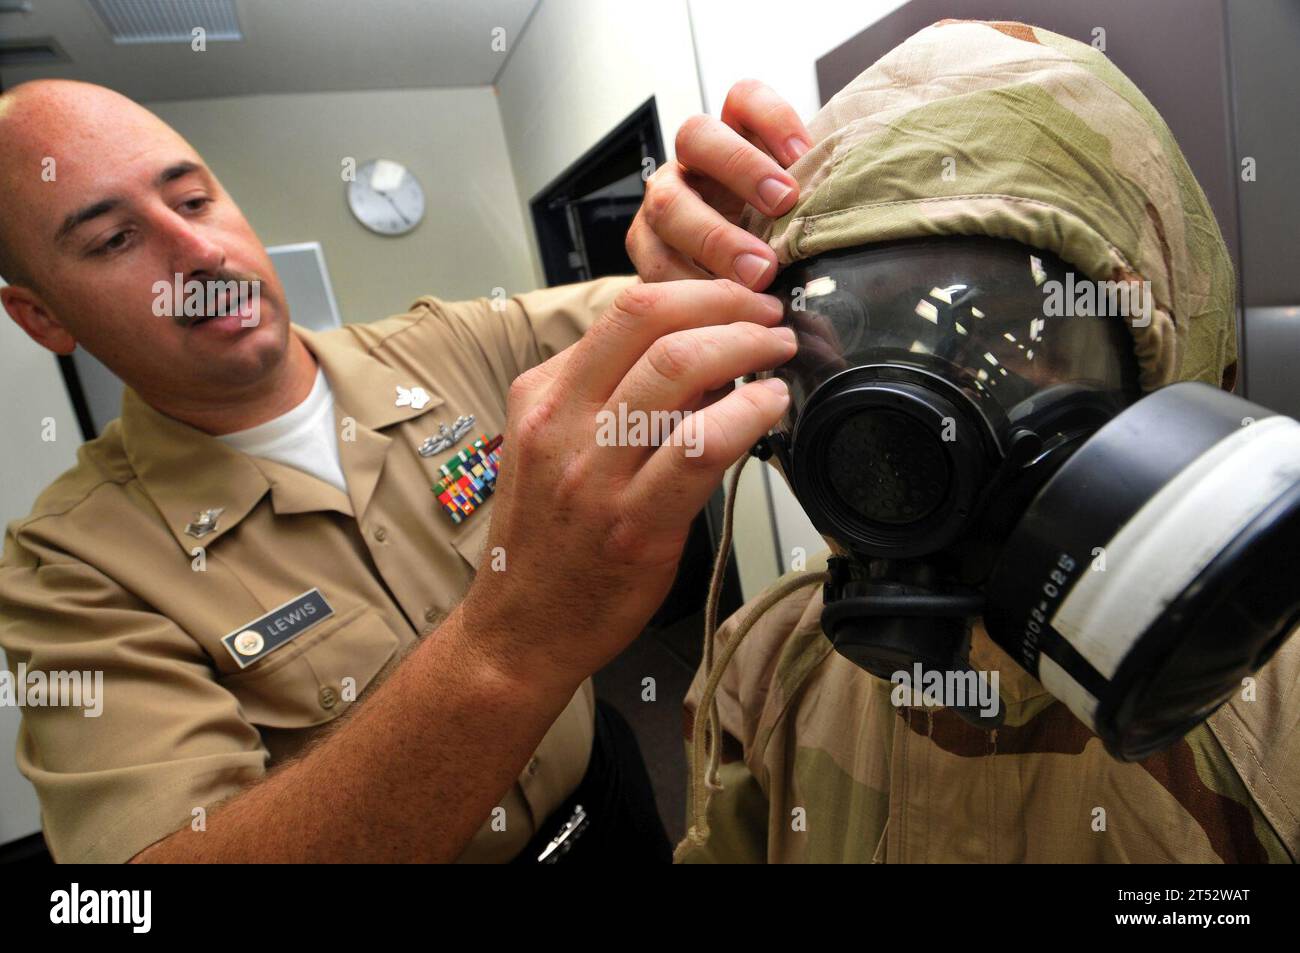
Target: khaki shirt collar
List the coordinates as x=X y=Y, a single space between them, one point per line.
x=185 y=471
x=363 y=385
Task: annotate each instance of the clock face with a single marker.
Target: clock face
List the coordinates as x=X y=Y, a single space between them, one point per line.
x=386 y=198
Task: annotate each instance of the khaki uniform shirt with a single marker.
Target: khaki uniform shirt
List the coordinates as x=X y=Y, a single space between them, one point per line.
x=102 y=576
x=818 y=765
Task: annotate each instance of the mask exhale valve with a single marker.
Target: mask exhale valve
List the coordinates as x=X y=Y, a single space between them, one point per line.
x=888 y=617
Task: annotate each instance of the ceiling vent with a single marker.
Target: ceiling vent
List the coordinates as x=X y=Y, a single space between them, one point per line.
x=168 y=21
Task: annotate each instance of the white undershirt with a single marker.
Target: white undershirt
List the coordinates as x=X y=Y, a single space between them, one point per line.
x=302 y=438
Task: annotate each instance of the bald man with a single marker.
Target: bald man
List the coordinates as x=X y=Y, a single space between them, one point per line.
x=253 y=551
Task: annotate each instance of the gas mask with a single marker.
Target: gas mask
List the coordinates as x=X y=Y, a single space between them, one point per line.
x=966 y=426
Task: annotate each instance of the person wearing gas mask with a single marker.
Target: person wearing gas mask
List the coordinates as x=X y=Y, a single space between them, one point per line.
x=1052 y=625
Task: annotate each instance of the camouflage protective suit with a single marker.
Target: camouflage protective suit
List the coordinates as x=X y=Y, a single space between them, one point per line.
x=1009 y=131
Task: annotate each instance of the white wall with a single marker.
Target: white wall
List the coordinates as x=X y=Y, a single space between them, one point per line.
x=582 y=67
x=281 y=156
x=775 y=41
x=33 y=391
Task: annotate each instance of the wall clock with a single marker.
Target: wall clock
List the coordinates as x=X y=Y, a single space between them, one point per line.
x=386 y=198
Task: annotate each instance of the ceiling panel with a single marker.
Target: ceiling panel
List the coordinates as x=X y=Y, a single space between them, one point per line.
x=288 y=46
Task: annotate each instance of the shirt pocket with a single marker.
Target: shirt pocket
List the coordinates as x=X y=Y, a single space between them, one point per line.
x=315 y=678
x=471 y=539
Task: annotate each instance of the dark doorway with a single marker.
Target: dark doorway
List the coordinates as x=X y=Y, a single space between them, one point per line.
x=583 y=216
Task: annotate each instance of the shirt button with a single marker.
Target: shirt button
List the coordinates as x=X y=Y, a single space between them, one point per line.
x=430 y=614
x=381 y=534
x=328 y=697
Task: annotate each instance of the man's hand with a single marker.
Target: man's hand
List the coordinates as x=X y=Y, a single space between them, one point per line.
x=686 y=226
x=592 y=533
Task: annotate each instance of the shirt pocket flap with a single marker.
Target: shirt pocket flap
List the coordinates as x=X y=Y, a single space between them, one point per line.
x=318 y=676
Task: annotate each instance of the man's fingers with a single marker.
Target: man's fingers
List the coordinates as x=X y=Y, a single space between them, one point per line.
x=677 y=480
x=711 y=148
x=687 y=223
x=642 y=313
x=713 y=396
x=692 y=204
x=754 y=108
x=680 y=368
x=533 y=384
x=655 y=261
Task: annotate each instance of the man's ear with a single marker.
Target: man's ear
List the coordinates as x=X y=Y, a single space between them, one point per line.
x=30 y=313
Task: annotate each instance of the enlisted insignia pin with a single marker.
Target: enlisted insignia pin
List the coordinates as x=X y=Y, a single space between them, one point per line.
x=259 y=638
x=446 y=436
x=204 y=522
x=468 y=478
x=414 y=397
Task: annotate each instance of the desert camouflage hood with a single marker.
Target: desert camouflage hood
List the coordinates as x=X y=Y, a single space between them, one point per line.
x=1010 y=131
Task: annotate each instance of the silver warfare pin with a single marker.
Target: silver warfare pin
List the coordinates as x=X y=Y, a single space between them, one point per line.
x=447 y=436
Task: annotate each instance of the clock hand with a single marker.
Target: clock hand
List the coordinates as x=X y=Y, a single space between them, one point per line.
x=390 y=201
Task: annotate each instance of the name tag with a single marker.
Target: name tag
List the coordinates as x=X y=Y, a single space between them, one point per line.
x=280 y=626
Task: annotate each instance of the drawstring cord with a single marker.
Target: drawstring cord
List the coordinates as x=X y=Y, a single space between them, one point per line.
x=706 y=733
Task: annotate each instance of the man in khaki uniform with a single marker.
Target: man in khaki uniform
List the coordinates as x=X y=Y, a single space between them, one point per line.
x=1054 y=148
x=112 y=785
x=257 y=542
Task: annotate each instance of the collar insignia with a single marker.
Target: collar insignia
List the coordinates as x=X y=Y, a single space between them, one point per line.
x=204 y=522
x=414 y=397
